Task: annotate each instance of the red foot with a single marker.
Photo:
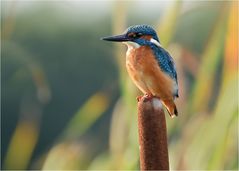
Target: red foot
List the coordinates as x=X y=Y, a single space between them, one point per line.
x=148 y=97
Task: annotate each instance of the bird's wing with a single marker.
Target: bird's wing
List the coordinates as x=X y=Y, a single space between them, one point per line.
x=166 y=64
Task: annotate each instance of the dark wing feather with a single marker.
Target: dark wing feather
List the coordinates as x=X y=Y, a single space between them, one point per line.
x=166 y=63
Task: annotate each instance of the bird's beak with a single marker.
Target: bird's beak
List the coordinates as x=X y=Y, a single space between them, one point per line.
x=117 y=38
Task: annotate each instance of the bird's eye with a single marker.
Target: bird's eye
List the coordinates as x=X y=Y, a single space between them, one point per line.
x=135 y=35
x=139 y=34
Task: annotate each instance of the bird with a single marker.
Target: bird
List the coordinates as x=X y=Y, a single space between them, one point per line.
x=150 y=66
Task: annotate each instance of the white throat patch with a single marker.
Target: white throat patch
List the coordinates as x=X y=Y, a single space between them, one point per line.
x=132 y=44
x=135 y=45
x=155 y=42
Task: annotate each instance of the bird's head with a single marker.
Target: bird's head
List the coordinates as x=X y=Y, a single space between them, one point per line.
x=137 y=35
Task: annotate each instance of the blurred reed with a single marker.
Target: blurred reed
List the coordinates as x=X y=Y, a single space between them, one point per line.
x=167 y=23
x=72 y=153
x=216 y=144
x=25 y=136
x=202 y=137
x=210 y=61
x=87 y=115
x=22 y=144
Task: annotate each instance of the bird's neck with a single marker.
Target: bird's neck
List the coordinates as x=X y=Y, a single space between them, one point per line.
x=135 y=45
x=132 y=45
x=143 y=42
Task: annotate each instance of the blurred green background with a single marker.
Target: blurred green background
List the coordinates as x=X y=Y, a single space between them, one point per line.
x=67 y=102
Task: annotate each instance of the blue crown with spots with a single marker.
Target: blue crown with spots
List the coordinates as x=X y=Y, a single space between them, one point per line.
x=143 y=29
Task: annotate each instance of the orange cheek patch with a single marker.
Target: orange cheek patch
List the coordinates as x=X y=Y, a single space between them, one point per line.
x=147 y=37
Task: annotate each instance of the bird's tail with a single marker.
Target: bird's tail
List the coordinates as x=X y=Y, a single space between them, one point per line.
x=171 y=107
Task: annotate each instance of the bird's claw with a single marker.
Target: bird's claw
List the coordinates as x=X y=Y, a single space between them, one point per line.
x=139 y=98
x=147 y=97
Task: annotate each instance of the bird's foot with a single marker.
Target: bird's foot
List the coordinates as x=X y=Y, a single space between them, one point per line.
x=147 y=97
x=139 y=98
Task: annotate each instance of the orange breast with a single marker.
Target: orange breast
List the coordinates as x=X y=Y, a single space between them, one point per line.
x=145 y=72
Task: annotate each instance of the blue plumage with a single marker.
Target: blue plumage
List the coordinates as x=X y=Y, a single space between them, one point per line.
x=144 y=29
x=166 y=63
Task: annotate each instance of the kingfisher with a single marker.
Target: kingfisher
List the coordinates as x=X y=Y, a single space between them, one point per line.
x=149 y=65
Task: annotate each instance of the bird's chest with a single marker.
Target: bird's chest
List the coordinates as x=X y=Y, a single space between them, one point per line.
x=136 y=58
x=146 y=73
x=139 y=61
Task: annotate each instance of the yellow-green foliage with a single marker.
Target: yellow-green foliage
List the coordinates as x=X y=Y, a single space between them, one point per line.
x=205 y=134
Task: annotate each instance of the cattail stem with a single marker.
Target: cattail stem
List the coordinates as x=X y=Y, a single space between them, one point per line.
x=152 y=135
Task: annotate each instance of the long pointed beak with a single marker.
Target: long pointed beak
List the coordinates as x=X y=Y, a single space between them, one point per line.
x=117 y=38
